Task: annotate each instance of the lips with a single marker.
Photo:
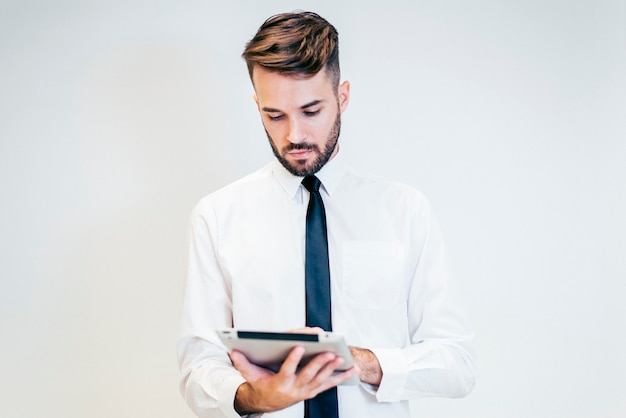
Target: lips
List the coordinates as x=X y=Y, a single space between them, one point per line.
x=299 y=154
x=299 y=151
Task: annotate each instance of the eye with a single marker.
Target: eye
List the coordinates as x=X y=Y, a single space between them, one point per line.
x=274 y=117
x=311 y=113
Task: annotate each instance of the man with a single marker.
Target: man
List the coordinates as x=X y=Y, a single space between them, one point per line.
x=248 y=257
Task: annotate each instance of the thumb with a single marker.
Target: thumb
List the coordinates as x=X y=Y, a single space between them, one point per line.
x=240 y=361
x=249 y=371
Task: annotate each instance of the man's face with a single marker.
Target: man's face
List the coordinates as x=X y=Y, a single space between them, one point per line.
x=301 y=116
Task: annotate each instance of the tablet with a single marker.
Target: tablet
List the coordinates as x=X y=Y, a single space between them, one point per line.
x=269 y=349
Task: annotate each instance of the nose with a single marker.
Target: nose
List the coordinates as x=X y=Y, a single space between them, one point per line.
x=295 y=133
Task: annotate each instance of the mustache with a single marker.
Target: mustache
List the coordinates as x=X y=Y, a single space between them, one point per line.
x=299 y=147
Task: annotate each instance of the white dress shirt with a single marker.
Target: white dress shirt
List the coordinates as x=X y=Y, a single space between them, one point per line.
x=390 y=288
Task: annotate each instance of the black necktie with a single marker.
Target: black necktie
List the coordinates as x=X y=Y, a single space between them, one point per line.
x=317 y=279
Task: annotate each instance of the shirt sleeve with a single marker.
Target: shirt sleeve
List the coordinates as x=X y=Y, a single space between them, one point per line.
x=439 y=360
x=209 y=381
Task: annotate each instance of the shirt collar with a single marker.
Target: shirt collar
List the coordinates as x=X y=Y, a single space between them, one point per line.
x=330 y=175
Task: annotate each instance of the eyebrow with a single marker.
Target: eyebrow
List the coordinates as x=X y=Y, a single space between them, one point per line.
x=305 y=106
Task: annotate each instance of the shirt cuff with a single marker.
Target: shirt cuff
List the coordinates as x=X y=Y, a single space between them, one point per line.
x=226 y=395
x=395 y=373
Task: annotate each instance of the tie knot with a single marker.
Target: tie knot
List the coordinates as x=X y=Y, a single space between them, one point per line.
x=311 y=183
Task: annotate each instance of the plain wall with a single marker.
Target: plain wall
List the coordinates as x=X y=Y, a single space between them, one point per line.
x=116 y=117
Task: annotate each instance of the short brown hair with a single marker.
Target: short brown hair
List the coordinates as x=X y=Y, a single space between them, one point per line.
x=298 y=43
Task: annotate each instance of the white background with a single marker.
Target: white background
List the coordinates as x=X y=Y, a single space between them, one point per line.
x=117 y=116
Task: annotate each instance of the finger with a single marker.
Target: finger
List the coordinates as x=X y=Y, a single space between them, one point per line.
x=340 y=377
x=250 y=371
x=290 y=365
x=320 y=360
x=243 y=365
x=336 y=379
x=306 y=330
x=239 y=360
x=310 y=372
x=328 y=370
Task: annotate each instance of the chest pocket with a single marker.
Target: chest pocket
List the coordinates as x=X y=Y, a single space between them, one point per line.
x=372 y=274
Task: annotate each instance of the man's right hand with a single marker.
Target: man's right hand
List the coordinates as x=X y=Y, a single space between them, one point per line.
x=266 y=391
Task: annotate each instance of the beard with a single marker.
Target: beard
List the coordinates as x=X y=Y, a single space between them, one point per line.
x=300 y=168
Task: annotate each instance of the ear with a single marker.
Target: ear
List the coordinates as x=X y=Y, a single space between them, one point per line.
x=256 y=100
x=343 y=95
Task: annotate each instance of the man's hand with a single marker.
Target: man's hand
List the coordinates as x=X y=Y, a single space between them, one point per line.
x=366 y=361
x=265 y=391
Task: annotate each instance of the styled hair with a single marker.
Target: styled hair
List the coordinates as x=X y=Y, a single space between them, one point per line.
x=299 y=43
